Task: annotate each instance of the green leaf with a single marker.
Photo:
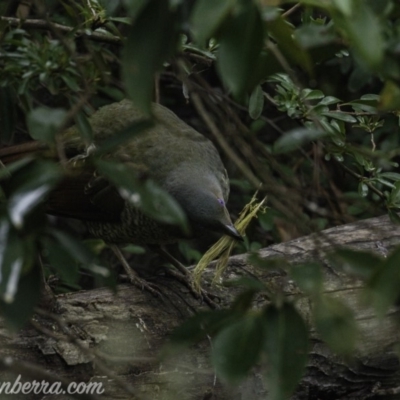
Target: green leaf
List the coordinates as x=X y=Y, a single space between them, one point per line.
x=389 y=96
x=269 y=264
x=199 y=326
x=11 y=260
x=394 y=196
x=394 y=217
x=329 y=100
x=384 y=284
x=84 y=127
x=312 y=36
x=340 y=116
x=237 y=348
x=309 y=94
x=286 y=346
x=256 y=102
x=241 y=42
x=308 y=277
x=336 y=324
x=363 y=189
x=134 y=249
x=151 y=40
x=19 y=311
x=394 y=176
x=29 y=187
x=295 y=138
x=44 y=122
x=61 y=260
x=283 y=34
x=208 y=16
x=76 y=249
x=8 y=170
x=134 y=7
x=370 y=97
x=248 y=282
x=364 y=30
x=359 y=263
x=146 y=195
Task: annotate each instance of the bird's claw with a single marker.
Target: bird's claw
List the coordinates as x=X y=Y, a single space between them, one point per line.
x=143 y=284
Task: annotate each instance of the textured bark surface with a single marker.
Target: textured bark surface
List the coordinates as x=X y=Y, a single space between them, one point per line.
x=116 y=338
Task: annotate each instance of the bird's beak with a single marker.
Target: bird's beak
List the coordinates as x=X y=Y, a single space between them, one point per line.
x=231 y=231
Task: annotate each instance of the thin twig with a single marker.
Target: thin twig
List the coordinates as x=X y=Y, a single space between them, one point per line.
x=43 y=24
x=361 y=178
x=291 y=10
x=222 y=142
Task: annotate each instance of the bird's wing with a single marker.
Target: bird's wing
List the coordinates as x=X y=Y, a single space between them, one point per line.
x=86 y=197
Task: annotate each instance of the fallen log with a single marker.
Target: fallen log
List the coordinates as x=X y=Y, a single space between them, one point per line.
x=116 y=338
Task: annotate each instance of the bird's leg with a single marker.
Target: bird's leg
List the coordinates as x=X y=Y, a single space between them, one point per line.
x=134 y=278
x=185 y=277
x=177 y=264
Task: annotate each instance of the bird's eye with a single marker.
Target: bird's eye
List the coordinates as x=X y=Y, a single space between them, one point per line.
x=220 y=201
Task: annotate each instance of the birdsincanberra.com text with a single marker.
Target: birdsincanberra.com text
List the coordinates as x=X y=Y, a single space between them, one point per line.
x=43 y=387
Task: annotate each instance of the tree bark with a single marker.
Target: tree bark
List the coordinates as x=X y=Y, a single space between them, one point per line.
x=116 y=338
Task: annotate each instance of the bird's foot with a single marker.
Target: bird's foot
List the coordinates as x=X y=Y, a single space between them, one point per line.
x=187 y=280
x=143 y=284
x=133 y=277
x=181 y=273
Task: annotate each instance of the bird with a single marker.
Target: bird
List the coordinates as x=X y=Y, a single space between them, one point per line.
x=180 y=160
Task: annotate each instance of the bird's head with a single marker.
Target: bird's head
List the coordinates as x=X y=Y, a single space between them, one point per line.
x=204 y=205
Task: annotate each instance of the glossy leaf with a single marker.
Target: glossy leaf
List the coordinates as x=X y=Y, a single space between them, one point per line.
x=151 y=40
x=237 y=348
x=29 y=187
x=83 y=254
x=295 y=138
x=11 y=260
x=267 y=263
x=207 y=17
x=241 y=43
x=150 y=198
x=44 y=122
x=363 y=189
x=308 y=94
x=384 y=285
x=394 y=197
x=247 y=282
x=286 y=346
x=340 y=116
x=335 y=324
x=308 y=277
x=390 y=175
x=329 y=100
x=202 y=324
x=394 y=217
x=256 y=102
x=357 y=262
x=283 y=34
x=19 y=311
x=390 y=96
x=134 y=7
x=363 y=29
x=61 y=260
x=84 y=127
